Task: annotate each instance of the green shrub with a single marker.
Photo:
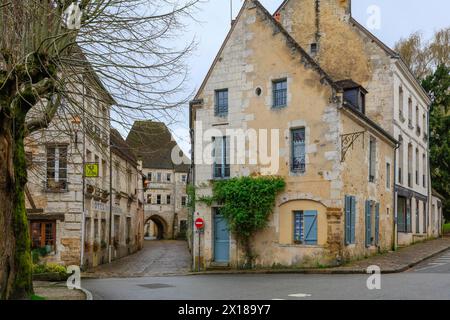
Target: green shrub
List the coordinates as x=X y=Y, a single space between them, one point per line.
x=49 y=268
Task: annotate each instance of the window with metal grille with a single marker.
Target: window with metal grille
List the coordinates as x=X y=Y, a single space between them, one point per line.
x=183 y=201
x=279 y=93
x=221 y=156
x=221 y=108
x=305 y=227
x=298 y=150
x=57 y=168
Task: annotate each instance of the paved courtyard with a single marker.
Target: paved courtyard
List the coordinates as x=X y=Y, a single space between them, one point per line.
x=166 y=257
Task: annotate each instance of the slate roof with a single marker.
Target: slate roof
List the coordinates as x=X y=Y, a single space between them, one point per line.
x=120 y=147
x=152 y=143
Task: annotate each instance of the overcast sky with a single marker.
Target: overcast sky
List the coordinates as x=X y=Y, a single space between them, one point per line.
x=399 y=18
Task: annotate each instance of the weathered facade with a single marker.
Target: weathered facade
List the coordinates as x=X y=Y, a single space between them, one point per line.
x=397 y=102
x=69 y=212
x=165 y=169
x=337 y=163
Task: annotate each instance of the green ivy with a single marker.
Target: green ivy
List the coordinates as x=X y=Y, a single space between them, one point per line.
x=247 y=204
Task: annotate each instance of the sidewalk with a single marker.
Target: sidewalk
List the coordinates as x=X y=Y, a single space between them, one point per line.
x=391 y=262
x=56 y=291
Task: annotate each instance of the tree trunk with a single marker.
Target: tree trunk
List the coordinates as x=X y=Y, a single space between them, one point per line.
x=15 y=253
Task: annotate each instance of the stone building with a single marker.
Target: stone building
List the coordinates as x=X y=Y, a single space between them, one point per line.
x=69 y=213
x=397 y=102
x=165 y=168
x=338 y=164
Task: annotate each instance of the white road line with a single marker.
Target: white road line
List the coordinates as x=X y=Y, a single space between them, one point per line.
x=300 y=295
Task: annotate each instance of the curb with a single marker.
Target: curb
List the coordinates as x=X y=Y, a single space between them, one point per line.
x=87 y=293
x=318 y=271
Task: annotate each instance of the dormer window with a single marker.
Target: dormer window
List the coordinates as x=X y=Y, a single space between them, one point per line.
x=354 y=95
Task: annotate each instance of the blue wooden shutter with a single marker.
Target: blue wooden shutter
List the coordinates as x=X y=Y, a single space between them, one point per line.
x=368 y=225
x=377 y=224
x=353 y=219
x=310 y=223
x=348 y=220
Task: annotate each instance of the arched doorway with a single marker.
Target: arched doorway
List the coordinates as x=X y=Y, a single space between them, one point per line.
x=155 y=228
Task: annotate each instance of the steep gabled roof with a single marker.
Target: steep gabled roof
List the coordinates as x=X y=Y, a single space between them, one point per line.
x=290 y=40
x=152 y=143
x=120 y=147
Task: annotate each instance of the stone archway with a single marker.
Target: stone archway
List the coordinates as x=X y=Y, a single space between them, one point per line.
x=161 y=226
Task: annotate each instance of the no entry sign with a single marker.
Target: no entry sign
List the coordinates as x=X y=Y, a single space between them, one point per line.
x=199 y=223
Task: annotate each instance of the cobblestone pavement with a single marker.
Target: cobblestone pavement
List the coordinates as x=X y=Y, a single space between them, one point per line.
x=56 y=291
x=167 y=257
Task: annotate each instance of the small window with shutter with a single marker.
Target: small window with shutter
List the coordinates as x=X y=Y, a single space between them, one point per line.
x=350 y=220
x=305 y=227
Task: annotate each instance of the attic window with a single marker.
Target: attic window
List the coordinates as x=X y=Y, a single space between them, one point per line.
x=356 y=98
x=313 y=48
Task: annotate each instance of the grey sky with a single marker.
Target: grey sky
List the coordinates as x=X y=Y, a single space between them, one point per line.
x=399 y=18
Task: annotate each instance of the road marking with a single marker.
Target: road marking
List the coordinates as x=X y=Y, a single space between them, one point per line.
x=431 y=266
x=300 y=295
x=278 y=299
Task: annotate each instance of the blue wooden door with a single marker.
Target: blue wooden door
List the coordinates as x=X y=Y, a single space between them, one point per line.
x=221 y=239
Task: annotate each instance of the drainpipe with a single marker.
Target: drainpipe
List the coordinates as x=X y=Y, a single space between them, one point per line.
x=428 y=216
x=394 y=229
x=191 y=131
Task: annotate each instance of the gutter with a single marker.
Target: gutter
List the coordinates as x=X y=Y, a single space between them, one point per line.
x=394 y=227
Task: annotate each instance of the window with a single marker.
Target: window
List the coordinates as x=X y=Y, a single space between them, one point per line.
x=356 y=98
x=350 y=219
x=388 y=175
x=158 y=176
x=400 y=103
x=169 y=177
x=298 y=161
x=183 y=201
x=305 y=227
x=221 y=108
x=313 y=48
x=424 y=173
x=183 y=178
x=168 y=199
x=372 y=223
x=149 y=176
x=424 y=124
x=404 y=215
x=425 y=220
x=400 y=160
x=221 y=155
x=279 y=93
x=158 y=199
x=417 y=120
x=417 y=217
x=410 y=115
x=372 y=159
x=96 y=230
x=410 y=155
x=149 y=199
x=57 y=168
x=128 y=230
x=103 y=230
x=43 y=234
x=417 y=166
x=117 y=180
x=129 y=181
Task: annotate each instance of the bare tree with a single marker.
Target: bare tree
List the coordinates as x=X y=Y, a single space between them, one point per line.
x=48 y=48
x=423 y=57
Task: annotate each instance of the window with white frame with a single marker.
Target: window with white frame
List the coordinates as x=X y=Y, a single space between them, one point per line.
x=221 y=156
x=57 y=167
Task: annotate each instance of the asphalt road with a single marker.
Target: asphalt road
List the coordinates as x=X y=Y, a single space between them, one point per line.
x=428 y=280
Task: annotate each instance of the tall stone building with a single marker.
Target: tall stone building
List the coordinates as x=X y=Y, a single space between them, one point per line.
x=69 y=210
x=346 y=50
x=165 y=168
x=312 y=129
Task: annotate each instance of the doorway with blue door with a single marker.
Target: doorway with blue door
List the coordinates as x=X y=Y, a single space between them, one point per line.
x=221 y=238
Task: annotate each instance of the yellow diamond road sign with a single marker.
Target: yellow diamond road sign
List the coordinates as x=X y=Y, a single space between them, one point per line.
x=91 y=170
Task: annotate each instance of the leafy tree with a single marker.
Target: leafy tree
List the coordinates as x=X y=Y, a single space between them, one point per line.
x=47 y=49
x=247 y=204
x=437 y=85
x=423 y=57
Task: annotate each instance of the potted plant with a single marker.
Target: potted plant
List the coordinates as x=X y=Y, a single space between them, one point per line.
x=90 y=189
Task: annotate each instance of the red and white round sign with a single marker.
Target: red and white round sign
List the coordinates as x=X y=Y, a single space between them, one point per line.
x=199 y=223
